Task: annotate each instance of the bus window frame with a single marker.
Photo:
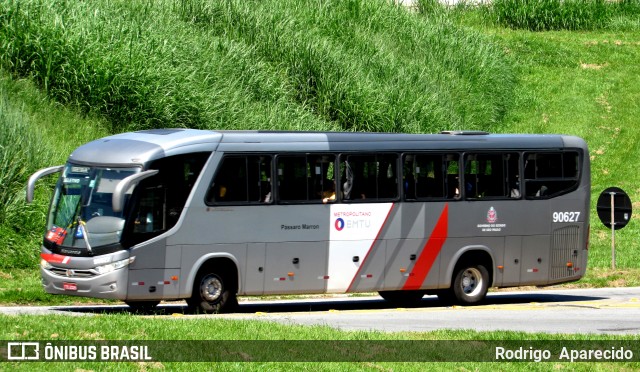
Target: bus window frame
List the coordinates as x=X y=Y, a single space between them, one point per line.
x=276 y=185
x=211 y=202
x=339 y=158
x=505 y=171
x=577 y=180
x=343 y=156
x=443 y=154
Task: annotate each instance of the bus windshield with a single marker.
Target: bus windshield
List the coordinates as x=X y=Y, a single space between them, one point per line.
x=81 y=214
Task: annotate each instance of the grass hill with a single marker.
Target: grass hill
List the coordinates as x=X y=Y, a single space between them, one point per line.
x=75 y=71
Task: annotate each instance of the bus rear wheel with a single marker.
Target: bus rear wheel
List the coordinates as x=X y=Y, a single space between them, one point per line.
x=470 y=284
x=212 y=295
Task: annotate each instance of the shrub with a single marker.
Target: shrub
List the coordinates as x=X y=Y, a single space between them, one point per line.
x=337 y=65
x=21 y=153
x=542 y=15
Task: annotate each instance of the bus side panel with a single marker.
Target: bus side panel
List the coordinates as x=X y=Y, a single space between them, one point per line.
x=295 y=267
x=254 y=271
x=152 y=254
x=509 y=275
x=534 y=268
x=416 y=236
x=348 y=269
x=153 y=284
x=402 y=258
x=151 y=272
x=358 y=235
x=260 y=237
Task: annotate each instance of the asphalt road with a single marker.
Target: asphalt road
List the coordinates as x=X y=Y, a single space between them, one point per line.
x=598 y=311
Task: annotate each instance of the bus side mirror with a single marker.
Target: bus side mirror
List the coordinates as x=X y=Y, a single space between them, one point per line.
x=117 y=202
x=31 y=184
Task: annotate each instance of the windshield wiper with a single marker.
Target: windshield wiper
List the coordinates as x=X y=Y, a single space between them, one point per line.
x=85 y=233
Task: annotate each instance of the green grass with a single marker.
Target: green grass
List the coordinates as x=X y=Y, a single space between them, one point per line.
x=34 y=133
x=598 y=277
x=21 y=153
x=348 y=65
x=545 y=15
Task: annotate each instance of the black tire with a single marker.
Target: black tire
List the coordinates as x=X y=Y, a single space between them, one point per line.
x=404 y=298
x=212 y=294
x=470 y=284
x=142 y=306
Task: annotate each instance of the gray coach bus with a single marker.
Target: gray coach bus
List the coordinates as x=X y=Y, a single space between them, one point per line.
x=206 y=216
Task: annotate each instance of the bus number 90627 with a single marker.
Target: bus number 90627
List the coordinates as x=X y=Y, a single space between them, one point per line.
x=566 y=216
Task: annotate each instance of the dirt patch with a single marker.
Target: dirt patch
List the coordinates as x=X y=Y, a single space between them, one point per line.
x=618 y=283
x=5 y=276
x=593 y=66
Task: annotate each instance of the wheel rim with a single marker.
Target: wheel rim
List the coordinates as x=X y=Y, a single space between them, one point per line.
x=211 y=288
x=471 y=283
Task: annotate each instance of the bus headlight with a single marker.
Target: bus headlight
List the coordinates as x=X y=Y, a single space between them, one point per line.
x=45 y=265
x=104 y=269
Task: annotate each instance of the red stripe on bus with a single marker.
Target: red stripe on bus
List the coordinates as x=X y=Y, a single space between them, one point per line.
x=429 y=252
x=55 y=258
x=370 y=248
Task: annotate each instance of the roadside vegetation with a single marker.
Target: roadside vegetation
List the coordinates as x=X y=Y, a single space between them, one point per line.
x=572 y=15
x=71 y=72
x=344 y=65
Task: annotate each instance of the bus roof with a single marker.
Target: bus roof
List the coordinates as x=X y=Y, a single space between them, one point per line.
x=147 y=145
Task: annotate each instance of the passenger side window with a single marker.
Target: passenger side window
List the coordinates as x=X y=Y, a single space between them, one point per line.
x=491 y=175
x=306 y=178
x=431 y=176
x=242 y=179
x=549 y=174
x=369 y=177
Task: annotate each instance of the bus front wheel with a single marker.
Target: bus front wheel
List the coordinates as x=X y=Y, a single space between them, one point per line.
x=212 y=295
x=470 y=285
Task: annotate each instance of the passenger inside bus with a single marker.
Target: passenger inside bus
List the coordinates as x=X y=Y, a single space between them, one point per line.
x=515 y=188
x=330 y=194
x=542 y=192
